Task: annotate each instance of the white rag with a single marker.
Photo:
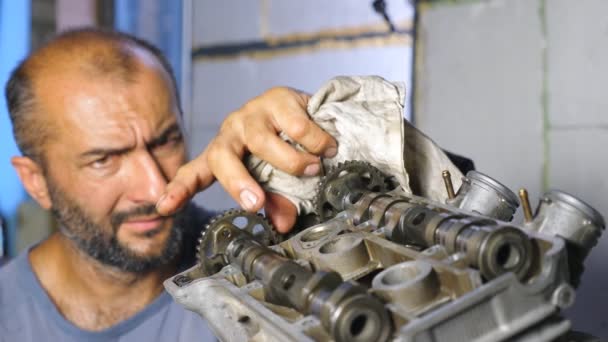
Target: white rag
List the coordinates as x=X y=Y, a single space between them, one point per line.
x=365 y=116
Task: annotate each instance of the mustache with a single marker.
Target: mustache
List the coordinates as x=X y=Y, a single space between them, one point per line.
x=120 y=217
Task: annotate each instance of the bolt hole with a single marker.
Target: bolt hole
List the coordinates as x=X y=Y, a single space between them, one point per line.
x=288 y=281
x=315 y=234
x=418 y=219
x=400 y=274
x=244 y=319
x=358 y=325
x=340 y=244
x=507 y=256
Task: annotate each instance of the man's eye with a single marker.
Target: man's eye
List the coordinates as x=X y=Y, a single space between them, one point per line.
x=101 y=162
x=170 y=141
x=174 y=139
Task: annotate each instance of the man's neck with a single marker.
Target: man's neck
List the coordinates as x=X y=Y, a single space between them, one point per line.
x=91 y=295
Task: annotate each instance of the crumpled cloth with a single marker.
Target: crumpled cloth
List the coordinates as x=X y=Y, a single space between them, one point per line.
x=365 y=116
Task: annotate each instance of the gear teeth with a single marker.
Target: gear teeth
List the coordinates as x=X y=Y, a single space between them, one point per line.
x=269 y=236
x=377 y=181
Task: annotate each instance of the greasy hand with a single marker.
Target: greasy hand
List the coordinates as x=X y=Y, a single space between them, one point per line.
x=254 y=129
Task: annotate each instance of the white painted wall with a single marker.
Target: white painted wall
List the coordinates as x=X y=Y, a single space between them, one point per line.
x=484 y=71
x=222 y=86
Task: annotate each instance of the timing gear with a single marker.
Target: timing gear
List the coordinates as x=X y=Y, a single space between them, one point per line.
x=209 y=256
x=338 y=185
x=386 y=264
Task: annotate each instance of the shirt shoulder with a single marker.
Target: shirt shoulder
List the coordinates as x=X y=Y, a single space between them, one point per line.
x=173 y=323
x=11 y=279
x=26 y=315
x=19 y=310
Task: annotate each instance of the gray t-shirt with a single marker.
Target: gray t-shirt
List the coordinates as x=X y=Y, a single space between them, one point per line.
x=28 y=314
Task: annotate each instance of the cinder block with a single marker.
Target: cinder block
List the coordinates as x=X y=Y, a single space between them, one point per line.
x=226 y=21
x=577 y=68
x=479 y=82
x=293 y=16
x=220 y=87
x=578 y=163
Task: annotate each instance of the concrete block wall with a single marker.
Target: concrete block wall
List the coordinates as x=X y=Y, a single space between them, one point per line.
x=577 y=128
x=519 y=86
x=222 y=83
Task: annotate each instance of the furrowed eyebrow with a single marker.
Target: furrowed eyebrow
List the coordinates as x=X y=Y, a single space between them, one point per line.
x=154 y=142
x=105 y=152
x=164 y=136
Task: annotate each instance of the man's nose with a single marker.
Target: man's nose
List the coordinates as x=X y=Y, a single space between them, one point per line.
x=147 y=179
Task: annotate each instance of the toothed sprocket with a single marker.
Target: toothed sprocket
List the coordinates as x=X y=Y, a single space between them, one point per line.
x=210 y=258
x=343 y=179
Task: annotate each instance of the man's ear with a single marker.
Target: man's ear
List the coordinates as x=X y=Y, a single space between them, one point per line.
x=33 y=180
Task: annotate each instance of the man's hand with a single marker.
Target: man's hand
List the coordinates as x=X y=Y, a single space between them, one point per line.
x=254 y=129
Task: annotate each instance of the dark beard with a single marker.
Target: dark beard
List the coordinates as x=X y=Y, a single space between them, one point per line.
x=102 y=244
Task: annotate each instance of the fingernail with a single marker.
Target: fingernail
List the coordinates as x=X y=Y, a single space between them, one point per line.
x=312 y=169
x=160 y=201
x=330 y=152
x=248 y=199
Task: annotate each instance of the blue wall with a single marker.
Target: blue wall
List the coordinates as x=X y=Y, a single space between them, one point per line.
x=157 y=21
x=15 y=22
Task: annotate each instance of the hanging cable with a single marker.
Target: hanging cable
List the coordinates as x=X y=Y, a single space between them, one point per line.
x=380 y=8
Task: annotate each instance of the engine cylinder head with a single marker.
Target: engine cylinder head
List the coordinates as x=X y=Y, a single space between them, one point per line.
x=345 y=309
x=411 y=283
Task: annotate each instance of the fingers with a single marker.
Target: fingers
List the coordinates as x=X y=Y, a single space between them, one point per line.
x=281 y=212
x=224 y=159
x=190 y=178
x=303 y=130
x=254 y=129
x=282 y=110
x=264 y=143
x=290 y=116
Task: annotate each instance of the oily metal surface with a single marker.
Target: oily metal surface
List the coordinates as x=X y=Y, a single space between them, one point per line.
x=343 y=179
x=433 y=271
x=210 y=258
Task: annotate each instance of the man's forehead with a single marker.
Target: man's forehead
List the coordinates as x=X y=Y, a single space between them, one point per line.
x=68 y=64
x=93 y=55
x=106 y=108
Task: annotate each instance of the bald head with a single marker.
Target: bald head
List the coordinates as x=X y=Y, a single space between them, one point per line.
x=84 y=55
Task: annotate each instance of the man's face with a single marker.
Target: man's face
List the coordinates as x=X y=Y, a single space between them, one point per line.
x=114 y=148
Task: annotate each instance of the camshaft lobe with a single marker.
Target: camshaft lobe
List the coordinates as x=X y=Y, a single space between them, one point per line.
x=492 y=248
x=345 y=309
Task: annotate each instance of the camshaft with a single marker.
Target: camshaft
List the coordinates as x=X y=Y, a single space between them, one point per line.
x=344 y=308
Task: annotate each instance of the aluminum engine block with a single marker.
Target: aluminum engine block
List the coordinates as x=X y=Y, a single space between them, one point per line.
x=381 y=265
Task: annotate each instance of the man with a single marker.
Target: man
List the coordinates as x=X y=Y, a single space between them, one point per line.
x=96 y=115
